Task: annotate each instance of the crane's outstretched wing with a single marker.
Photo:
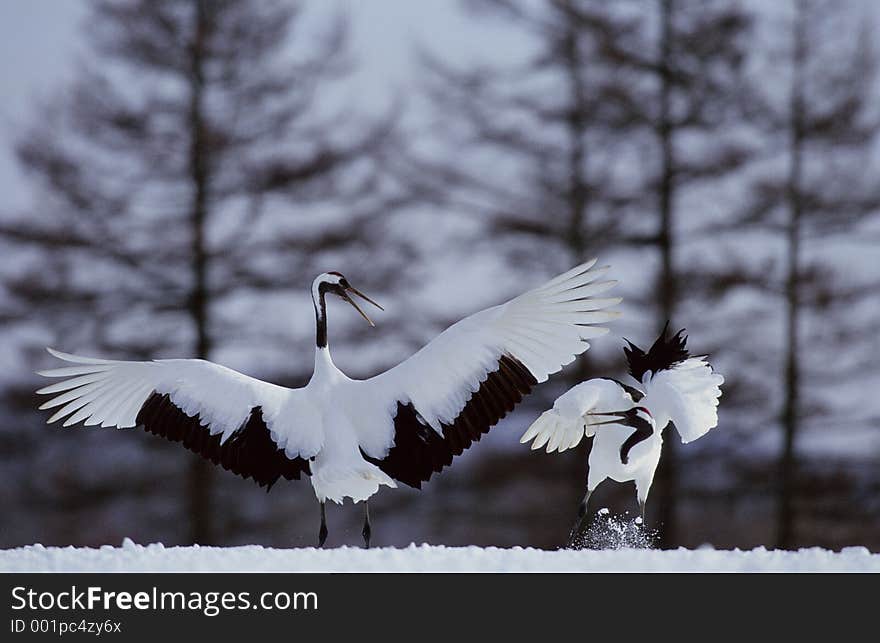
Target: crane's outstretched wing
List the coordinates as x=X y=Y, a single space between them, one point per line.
x=235 y=421
x=685 y=394
x=577 y=412
x=415 y=417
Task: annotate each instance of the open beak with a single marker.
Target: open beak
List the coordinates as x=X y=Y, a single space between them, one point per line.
x=357 y=292
x=617 y=415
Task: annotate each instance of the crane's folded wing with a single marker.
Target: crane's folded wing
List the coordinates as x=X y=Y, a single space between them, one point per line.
x=238 y=422
x=415 y=417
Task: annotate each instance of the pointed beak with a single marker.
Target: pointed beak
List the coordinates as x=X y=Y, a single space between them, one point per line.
x=617 y=415
x=357 y=292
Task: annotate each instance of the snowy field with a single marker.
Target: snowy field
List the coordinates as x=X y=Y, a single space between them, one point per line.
x=427 y=558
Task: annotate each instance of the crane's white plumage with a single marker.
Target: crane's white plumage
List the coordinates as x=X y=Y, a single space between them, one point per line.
x=544 y=329
x=574 y=415
x=350 y=436
x=111 y=392
x=686 y=395
x=627 y=422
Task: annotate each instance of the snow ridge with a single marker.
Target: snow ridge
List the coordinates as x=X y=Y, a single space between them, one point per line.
x=428 y=558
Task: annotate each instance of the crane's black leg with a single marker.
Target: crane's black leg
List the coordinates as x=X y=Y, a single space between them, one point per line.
x=367 y=530
x=582 y=514
x=322 y=532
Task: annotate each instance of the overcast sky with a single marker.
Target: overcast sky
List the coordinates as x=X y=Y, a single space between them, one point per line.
x=39 y=40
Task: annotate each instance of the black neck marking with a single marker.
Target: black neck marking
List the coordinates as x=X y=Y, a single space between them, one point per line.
x=321 y=316
x=643 y=430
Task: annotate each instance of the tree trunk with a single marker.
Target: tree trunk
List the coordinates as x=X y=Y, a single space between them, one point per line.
x=578 y=196
x=200 y=510
x=667 y=475
x=789 y=415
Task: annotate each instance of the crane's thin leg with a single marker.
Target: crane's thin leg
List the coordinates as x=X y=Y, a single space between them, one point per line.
x=582 y=514
x=322 y=532
x=367 y=531
x=643 y=488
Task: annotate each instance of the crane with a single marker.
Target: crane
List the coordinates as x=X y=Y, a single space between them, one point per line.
x=626 y=422
x=350 y=437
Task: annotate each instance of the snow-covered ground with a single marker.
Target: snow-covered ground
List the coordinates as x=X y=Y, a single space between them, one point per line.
x=428 y=558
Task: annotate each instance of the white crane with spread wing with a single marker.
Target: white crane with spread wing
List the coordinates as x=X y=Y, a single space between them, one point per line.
x=349 y=436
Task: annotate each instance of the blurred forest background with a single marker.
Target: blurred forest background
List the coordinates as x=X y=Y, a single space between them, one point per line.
x=197 y=162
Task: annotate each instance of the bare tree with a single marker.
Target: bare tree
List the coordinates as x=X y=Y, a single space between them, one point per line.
x=558 y=189
x=194 y=163
x=616 y=113
x=693 y=67
x=814 y=191
x=546 y=120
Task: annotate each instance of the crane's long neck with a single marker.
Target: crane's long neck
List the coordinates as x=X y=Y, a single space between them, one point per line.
x=320 y=318
x=325 y=370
